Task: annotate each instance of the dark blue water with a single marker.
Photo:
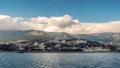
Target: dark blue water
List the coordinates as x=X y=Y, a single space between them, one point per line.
x=60 y=60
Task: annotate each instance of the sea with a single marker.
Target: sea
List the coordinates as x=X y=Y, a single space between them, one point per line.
x=60 y=60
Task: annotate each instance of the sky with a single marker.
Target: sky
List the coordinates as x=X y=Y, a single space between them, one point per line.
x=71 y=16
x=84 y=10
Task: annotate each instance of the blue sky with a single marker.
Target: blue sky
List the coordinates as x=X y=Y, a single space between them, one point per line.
x=84 y=10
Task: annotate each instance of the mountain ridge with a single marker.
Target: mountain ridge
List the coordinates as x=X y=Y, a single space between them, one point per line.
x=13 y=35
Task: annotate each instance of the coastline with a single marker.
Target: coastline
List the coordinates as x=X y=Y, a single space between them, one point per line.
x=56 y=52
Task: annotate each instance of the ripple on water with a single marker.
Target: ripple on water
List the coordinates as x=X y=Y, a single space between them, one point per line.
x=60 y=60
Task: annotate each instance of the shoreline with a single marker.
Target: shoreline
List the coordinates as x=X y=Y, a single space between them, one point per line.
x=56 y=52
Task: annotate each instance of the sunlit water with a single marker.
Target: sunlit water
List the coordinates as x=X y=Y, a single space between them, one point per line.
x=60 y=60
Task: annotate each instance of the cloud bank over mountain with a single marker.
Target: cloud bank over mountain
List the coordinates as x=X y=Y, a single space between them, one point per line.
x=63 y=23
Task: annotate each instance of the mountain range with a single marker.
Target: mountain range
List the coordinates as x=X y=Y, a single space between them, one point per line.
x=112 y=38
x=13 y=35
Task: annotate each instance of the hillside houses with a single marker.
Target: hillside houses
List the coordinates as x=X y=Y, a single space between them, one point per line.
x=60 y=45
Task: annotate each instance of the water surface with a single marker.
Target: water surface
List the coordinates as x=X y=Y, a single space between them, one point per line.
x=60 y=60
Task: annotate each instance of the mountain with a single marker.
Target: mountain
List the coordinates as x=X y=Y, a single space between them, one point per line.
x=60 y=35
x=113 y=38
x=13 y=35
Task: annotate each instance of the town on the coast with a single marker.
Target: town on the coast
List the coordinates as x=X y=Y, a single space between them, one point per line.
x=60 y=45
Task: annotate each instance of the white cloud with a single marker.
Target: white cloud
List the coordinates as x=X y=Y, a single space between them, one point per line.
x=9 y=23
x=57 y=24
